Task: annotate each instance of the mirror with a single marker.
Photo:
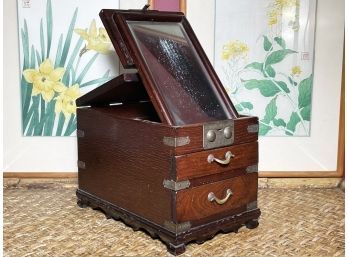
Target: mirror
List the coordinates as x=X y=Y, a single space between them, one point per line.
x=178 y=73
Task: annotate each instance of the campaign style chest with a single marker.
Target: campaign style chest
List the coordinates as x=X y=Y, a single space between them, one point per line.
x=163 y=149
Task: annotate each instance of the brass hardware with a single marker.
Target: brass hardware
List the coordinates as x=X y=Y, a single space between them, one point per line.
x=227 y=160
x=81 y=164
x=80 y=133
x=251 y=206
x=177 y=228
x=212 y=197
x=218 y=134
x=252 y=168
x=211 y=136
x=176 y=141
x=228 y=132
x=176 y=186
x=253 y=128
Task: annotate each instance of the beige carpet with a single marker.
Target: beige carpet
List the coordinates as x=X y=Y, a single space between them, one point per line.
x=294 y=222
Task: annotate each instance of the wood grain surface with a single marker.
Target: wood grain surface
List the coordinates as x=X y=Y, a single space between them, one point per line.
x=196 y=164
x=193 y=204
x=125 y=163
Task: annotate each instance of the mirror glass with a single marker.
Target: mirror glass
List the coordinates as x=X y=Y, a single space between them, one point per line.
x=179 y=74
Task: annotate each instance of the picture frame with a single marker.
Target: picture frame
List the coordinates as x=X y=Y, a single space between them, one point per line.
x=325 y=148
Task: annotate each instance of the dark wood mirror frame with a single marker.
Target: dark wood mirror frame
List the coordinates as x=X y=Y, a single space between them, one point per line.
x=130 y=55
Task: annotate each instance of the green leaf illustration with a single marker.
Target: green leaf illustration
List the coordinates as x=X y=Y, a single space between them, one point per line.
x=99 y=81
x=280 y=41
x=267 y=45
x=255 y=65
x=305 y=92
x=42 y=42
x=86 y=68
x=263 y=129
x=294 y=120
x=49 y=21
x=284 y=86
x=278 y=56
x=247 y=105
x=68 y=39
x=72 y=58
x=244 y=105
x=50 y=116
x=70 y=126
x=279 y=123
x=38 y=57
x=59 y=51
x=306 y=113
x=270 y=71
x=25 y=43
x=27 y=96
x=270 y=111
x=267 y=88
x=60 y=126
x=239 y=107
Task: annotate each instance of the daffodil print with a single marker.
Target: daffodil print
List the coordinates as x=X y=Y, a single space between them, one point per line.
x=65 y=101
x=46 y=80
x=62 y=57
x=97 y=41
x=264 y=58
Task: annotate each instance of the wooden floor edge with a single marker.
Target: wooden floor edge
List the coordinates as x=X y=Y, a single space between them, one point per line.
x=39 y=175
x=300 y=174
x=262 y=174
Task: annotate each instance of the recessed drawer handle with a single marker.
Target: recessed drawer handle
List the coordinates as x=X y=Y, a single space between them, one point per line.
x=227 y=160
x=212 y=197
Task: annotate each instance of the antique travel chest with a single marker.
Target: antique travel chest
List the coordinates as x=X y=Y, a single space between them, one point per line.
x=163 y=149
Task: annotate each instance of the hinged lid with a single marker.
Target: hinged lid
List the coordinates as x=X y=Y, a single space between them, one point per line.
x=176 y=73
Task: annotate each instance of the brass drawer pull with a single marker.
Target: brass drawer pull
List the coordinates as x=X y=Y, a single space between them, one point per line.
x=227 y=160
x=212 y=197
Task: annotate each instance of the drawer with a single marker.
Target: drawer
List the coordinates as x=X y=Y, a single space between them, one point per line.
x=194 y=204
x=201 y=163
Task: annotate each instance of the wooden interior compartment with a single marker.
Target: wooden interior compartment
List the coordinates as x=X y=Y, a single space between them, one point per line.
x=192 y=204
x=196 y=164
x=133 y=111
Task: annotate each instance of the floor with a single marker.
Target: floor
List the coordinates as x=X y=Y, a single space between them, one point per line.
x=45 y=221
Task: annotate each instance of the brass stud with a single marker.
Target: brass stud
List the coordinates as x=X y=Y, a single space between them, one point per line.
x=228 y=132
x=211 y=136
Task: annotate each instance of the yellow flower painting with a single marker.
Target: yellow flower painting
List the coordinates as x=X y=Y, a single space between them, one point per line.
x=280 y=8
x=65 y=101
x=234 y=49
x=99 y=42
x=54 y=68
x=296 y=71
x=264 y=56
x=46 y=80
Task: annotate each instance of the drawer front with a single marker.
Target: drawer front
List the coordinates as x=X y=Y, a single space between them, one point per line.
x=201 y=163
x=194 y=204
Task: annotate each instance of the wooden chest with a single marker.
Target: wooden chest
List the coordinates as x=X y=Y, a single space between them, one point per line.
x=164 y=149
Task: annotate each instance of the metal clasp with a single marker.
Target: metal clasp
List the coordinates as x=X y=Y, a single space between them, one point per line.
x=218 y=134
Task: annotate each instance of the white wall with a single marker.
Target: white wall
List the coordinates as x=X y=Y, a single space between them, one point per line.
x=59 y=154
